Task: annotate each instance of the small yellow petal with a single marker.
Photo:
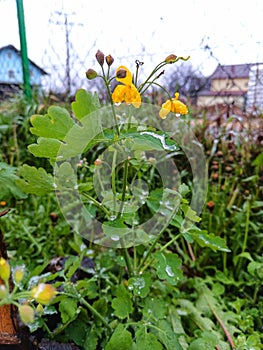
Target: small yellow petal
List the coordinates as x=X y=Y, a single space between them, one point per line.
x=128 y=94
x=127 y=79
x=163 y=113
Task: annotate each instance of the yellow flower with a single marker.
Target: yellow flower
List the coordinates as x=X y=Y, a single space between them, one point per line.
x=128 y=92
x=4 y=270
x=18 y=274
x=3 y=291
x=173 y=105
x=43 y=293
x=26 y=313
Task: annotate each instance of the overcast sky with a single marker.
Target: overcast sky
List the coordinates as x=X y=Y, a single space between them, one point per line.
x=232 y=29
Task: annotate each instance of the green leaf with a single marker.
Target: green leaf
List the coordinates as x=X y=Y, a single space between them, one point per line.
x=154 y=308
x=145 y=340
x=56 y=124
x=65 y=177
x=8 y=182
x=91 y=340
x=87 y=288
x=122 y=304
x=140 y=284
x=154 y=199
x=101 y=306
x=207 y=341
x=121 y=339
x=168 y=267
x=85 y=103
x=68 y=309
x=152 y=140
x=167 y=336
x=259 y=160
x=190 y=213
x=209 y=240
x=115 y=228
x=46 y=148
x=76 y=331
x=35 y=181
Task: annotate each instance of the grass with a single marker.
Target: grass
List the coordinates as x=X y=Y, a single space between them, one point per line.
x=217 y=303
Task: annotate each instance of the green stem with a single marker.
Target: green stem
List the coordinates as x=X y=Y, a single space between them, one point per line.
x=170 y=242
x=154 y=244
x=127 y=258
x=159 y=66
x=32 y=239
x=95 y=313
x=98 y=204
x=107 y=84
x=244 y=246
x=113 y=180
x=91 y=308
x=125 y=175
x=159 y=85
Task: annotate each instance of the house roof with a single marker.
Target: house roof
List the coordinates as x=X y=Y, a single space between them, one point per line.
x=223 y=93
x=232 y=71
x=11 y=47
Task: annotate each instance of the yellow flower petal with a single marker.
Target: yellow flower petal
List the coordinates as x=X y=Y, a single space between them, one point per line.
x=128 y=94
x=127 y=79
x=166 y=108
x=118 y=93
x=174 y=106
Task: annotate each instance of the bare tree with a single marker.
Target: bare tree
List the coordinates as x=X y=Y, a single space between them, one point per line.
x=187 y=80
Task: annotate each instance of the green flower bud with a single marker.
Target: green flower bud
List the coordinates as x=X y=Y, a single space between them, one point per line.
x=18 y=274
x=91 y=74
x=3 y=291
x=26 y=313
x=39 y=310
x=4 y=270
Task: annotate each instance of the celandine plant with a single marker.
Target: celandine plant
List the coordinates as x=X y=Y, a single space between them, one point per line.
x=119 y=187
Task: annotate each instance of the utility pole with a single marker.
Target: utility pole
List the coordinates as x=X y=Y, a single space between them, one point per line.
x=23 y=48
x=67 y=56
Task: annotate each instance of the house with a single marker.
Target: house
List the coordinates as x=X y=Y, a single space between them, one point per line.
x=11 y=72
x=234 y=85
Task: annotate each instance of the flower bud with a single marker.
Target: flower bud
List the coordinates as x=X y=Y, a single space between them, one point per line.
x=171 y=58
x=91 y=74
x=109 y=60
x=4 y=270
x=53 y=217
x=43 y=293
x=26 y=313
x=100 y=57
x=98 y=162
x=210 y=206
x=18 y=274
x=3 y=291
x=39 y=310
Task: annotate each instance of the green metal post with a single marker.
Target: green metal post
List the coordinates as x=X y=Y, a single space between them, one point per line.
x=23 y=48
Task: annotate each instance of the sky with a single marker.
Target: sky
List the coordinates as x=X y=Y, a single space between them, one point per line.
x=210 y=31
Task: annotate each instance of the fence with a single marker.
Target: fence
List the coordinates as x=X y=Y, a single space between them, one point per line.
x=67 y=50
